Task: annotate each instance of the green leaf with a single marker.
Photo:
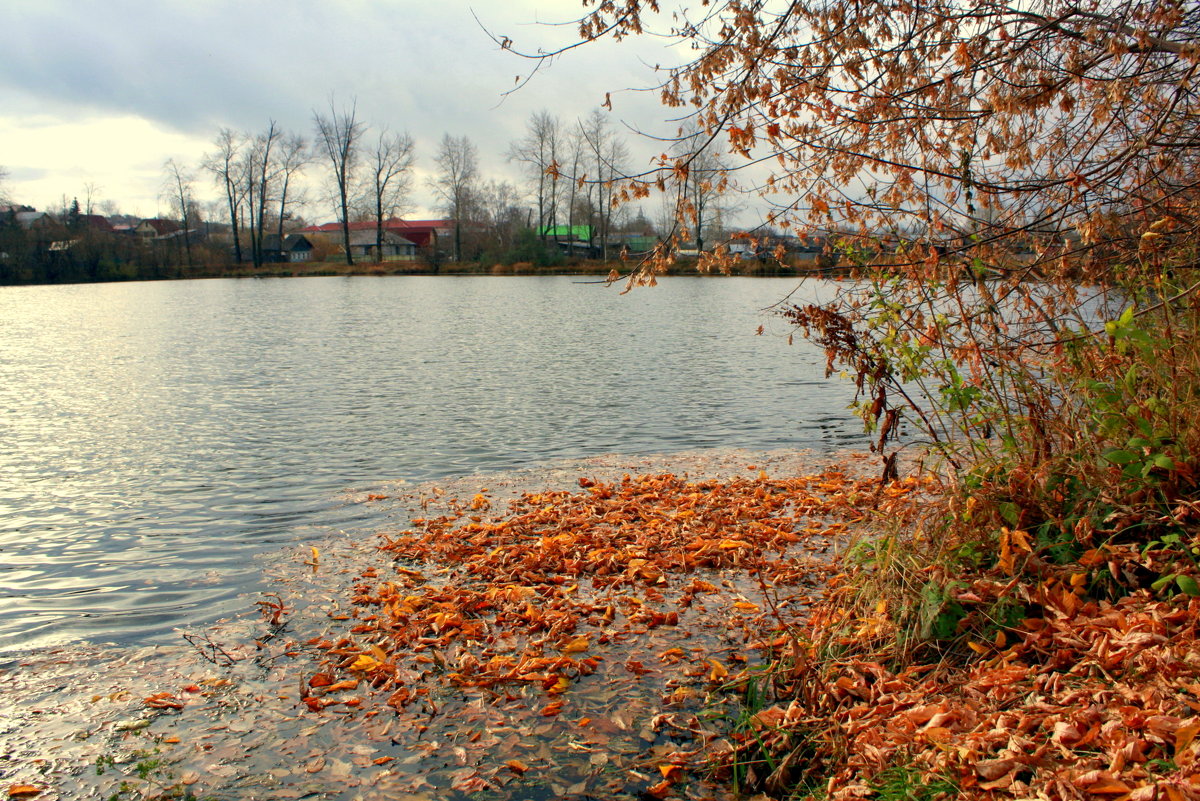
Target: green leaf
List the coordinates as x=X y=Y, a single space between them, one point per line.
x=1164 y=461
x=1126 y=317
x=1188 y=585
x=1163 y=581
x=1118 y=456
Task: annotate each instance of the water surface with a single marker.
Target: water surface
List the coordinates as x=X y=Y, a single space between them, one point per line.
x=155 y=437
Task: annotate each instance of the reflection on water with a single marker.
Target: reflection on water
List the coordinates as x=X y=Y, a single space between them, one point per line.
x=155 y=436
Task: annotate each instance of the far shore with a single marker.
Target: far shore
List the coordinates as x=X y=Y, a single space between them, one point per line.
x=593 y=268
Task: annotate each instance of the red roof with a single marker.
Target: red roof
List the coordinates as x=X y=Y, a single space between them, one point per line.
x=420 y=232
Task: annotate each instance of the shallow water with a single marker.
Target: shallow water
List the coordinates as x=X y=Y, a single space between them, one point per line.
x=156 y=437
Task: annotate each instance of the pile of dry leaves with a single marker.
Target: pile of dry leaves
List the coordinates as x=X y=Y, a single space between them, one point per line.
x=562 y=595
x=1081 y=699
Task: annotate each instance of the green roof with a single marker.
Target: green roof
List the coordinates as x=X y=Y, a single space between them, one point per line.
x=565 y=231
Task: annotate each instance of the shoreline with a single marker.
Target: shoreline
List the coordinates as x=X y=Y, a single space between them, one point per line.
x=223 y=714
x=590 y=269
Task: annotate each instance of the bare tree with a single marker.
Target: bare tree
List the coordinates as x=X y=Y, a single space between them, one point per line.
x=539 y=152
x=606 y=154
x=458 y=173
x=226 y=166
x=259 y=174
x=701 y=177
x=178 y=190
x=576 y=154
x=498 y=204
x=294 y=156
x=3 y=185
x=338 y=140
x=91 y=195
x=391 y=163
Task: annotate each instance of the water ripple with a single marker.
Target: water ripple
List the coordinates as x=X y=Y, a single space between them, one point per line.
x=156 y=436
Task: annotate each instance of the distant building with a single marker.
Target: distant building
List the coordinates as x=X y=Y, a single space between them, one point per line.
x=395 y=247
x=35 y=219
x=156 y=228
x=421 y=233
x=582 y=233
x=294 y=248
x=96 y=222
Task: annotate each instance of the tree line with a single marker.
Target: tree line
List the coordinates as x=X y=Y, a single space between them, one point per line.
x=568 y=199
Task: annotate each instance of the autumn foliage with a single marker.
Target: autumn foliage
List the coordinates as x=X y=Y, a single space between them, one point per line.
x=1012 y=192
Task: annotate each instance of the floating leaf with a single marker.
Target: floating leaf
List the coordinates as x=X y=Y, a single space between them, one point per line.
x=577 y=645
x=24 y=791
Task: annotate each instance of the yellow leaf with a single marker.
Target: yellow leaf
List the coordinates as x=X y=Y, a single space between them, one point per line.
x=1020 y=540
x=577 y=645
x=746 y=605
x=364 y=662
x=718 y=672
x=976 y=647
x=729 y=545
x=316 y=556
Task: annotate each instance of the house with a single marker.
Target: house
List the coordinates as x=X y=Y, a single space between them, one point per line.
x=578 y=233
x=422 y=233
x=35 y=219
x=156 y=228
x=96 y=222
x=395 y=247
x=294 y=248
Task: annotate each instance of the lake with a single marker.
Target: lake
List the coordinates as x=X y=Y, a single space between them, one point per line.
x=157 y=438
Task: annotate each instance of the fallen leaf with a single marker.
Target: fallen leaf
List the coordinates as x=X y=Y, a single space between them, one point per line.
x=577 y=645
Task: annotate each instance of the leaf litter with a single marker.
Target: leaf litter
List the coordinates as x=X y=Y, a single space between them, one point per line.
x=515 y=636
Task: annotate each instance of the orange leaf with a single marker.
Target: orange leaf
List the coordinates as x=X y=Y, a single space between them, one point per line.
x=551 y=709
x=718 y=671
x=1185 y=735
x=671 y=773
x=1108 y=787
x=660 y=790
x=320 y=680
x=23 y=791
x=517 y=766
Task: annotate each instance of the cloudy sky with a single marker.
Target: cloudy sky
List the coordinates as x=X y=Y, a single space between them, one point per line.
x=104 y=93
